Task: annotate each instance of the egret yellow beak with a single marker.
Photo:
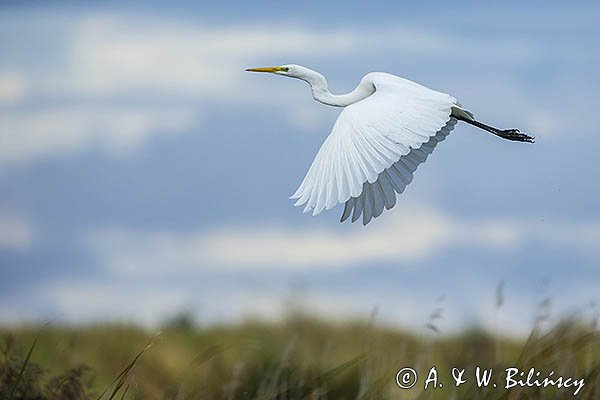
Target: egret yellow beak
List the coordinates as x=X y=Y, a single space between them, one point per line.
x=268 y=69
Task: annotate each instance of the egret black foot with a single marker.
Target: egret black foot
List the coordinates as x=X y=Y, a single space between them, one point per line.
x=516 y=135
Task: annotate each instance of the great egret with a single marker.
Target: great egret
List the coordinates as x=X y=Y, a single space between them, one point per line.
x=388 y=127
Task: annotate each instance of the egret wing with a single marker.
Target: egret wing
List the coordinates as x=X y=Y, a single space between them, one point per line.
x=374 y=147
x=382 y=193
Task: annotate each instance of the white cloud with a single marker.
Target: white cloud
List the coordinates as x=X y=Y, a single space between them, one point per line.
x=89 y=301
x=15 y=234
x=32 y=135
x=153 y=302
x=150 y=302
x=133 y=60
x=12 y=86
x=408 y=234
x=113 y=54
x=545 y=121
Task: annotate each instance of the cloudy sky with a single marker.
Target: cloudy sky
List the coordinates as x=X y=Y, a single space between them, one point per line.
x=143 y=172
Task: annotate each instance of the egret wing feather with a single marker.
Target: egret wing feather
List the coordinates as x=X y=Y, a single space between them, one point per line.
x=402 y=168
x=375 y=146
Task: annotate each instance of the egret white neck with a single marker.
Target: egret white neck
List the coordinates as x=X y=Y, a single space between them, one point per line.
x=321 y=92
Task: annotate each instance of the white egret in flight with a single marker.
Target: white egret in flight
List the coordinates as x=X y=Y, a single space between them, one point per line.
x=389 y=125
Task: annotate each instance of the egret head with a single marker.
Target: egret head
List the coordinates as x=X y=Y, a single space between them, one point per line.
x=290 y=70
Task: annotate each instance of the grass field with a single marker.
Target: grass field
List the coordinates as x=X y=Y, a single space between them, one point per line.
x=301 y=358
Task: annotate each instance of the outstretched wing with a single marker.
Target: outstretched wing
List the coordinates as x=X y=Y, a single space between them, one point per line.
x=375 y=146
x=382 y=193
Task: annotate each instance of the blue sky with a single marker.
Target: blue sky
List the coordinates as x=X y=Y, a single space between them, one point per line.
x=143 y=172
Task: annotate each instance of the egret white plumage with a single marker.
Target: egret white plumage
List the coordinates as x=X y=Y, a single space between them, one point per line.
x=388 y=127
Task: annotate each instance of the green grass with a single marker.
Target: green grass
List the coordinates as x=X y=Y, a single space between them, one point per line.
x=302 y=358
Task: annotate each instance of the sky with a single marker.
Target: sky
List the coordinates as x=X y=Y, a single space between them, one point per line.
x=144 y=173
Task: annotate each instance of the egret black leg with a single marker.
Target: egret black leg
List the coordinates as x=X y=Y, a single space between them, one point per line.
x=508 y=134
x=516 y=135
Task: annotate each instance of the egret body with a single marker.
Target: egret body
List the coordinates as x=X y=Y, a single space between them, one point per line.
x=388 y=127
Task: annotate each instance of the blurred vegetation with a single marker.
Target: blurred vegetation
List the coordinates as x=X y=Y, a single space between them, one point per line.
x=300 y=358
